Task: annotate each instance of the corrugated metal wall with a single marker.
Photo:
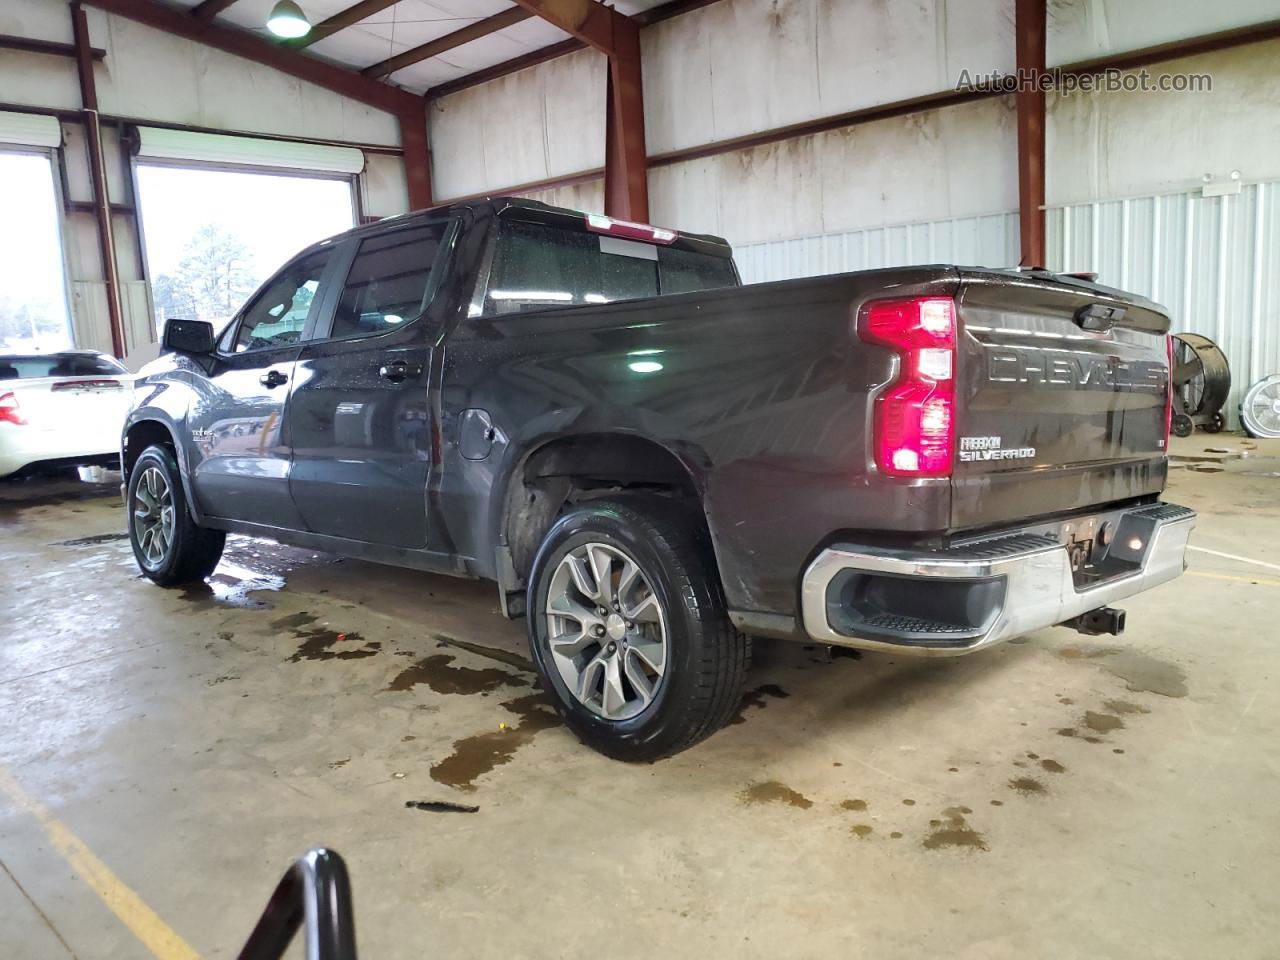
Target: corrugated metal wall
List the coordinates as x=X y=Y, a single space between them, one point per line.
x=1213 y=261
x=990 y=241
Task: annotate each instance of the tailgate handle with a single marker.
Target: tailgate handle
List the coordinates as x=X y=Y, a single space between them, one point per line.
x=1098 y=317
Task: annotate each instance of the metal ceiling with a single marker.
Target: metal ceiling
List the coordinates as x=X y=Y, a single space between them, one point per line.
x=407 y=24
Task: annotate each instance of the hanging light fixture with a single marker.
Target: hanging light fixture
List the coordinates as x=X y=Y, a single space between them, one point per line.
x=287 y=20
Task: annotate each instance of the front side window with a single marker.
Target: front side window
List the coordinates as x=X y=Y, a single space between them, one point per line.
x=278 y=315
x=388 y=282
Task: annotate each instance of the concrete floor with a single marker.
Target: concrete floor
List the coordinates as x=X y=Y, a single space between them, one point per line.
x=165 y=754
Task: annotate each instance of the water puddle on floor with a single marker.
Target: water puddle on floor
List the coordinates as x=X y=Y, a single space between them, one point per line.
x=475 y=756
x=773 y=791
x=439 y=674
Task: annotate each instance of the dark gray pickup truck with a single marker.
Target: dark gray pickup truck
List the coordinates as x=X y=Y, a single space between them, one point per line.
x=655 y=463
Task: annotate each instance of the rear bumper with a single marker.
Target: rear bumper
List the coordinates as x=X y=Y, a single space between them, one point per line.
x=953 y=601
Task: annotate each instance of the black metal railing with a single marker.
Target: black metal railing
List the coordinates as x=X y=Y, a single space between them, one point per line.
x=315 y=893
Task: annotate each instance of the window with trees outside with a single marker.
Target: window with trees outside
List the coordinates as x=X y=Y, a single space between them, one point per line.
x=34 y=317
x=213 y=235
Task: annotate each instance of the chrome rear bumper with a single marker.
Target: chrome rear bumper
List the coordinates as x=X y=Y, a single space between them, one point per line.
x=953 y=601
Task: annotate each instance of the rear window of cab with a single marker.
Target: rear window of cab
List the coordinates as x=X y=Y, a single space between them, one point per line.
x=537 y=266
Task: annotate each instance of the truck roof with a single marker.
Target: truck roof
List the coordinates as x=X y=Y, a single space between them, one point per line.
x=521 y=208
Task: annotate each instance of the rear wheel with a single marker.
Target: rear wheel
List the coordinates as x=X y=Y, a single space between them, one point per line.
x=169 y=547
x=628 y=628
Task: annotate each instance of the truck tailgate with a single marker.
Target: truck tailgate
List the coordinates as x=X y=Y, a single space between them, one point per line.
x=1062 y=391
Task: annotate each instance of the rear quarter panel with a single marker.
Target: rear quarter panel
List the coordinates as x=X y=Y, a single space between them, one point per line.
x=763 y=392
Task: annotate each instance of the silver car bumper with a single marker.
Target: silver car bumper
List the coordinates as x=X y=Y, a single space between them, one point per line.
x=953 y=601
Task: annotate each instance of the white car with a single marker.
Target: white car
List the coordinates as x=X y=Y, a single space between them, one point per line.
x=61 y=409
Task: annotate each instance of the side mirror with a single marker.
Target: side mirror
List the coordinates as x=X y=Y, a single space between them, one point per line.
x=188 y=336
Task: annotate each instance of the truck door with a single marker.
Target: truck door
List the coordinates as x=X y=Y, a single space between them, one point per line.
x=239 y=427
x=360 y=409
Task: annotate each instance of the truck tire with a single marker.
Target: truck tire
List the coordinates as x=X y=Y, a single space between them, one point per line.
x=628 y=629
x=168 y=546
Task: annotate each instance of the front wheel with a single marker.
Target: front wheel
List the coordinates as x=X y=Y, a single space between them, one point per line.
x=627 y=626
x=169 y=547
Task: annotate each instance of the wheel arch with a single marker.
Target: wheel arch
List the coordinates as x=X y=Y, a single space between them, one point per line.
x=148 y=429
x=566 y=469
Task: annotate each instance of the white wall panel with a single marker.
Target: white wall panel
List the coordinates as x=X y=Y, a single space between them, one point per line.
x=587 y=197
x=156 y=76
x=1084 y=29
x=1214 y=262
x=747 y=65
x=1130 y=144
x=990 y=241
x=941 y=164
x=542 y=122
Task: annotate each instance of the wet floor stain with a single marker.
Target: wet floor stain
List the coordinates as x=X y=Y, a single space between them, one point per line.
x=861 y=830
x=475 y=756
x=1102 y=722
x=1124 y=707
x=1141 y=672
x=853 y=805
x=441 y=806
x=1028 y=786
x=1052 y=766
x=493 y=653
x=13 y=500
x=228 y=590
x=757 y=699
x=774 y=791
x=954 y=832
x=438 y=673
x=293 y=621
x=1073 y=732
x=318 y=643
x=92 y=541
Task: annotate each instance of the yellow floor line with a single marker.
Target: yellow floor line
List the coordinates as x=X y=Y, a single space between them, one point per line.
x=157 y=936
x=1263 y=581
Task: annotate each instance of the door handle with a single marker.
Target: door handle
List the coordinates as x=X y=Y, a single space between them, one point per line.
x=397 y=370
x=272 y=378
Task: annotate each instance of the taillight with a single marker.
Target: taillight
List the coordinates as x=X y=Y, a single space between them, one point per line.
x=915 y=418
x=632 y=231
x=10 y=412
x=1168 y=399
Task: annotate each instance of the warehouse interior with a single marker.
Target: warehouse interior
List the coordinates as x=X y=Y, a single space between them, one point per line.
x=166 y=754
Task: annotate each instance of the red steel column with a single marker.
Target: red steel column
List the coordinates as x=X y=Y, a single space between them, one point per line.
x=417 y=153
x=98 y=174
x=1029 y=25
x=626 y=175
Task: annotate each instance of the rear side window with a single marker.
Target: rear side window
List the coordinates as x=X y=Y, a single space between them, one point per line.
x=388 y=281
x=58 y=365
x=537 y=265
x=277 y=316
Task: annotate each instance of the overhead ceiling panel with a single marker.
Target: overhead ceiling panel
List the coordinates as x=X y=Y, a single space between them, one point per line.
x=411 y=23
x=632 y=7
x=534 y=33
x=484 y=52
x=355 y=48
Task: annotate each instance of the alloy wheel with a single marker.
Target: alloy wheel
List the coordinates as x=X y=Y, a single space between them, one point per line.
x=153 y=516
x=607 y=631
